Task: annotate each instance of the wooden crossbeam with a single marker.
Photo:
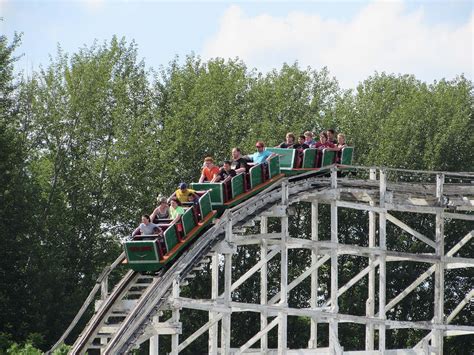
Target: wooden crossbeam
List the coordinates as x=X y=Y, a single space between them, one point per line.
x=257 y=336
x=410 y=230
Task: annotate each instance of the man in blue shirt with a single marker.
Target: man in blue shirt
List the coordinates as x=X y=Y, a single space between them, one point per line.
x=262 y=155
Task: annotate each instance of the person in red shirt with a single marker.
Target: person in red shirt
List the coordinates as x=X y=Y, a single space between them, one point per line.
x=324 y=143
x=331 y=136
x=209 y=171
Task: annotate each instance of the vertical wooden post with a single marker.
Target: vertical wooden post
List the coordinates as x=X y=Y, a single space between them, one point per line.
x=437 y=335
x=382 y=258
x=263 y=284
x=333 y=323
x=104 y=288
x=225 y=333
x=370 y=304
x=282 y=326
x=175 y=319
x=313 y=338
x=154 y=347
x=213 y=330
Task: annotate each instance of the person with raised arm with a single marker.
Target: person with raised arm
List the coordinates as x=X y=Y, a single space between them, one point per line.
x=261 y=156
x=183 y=194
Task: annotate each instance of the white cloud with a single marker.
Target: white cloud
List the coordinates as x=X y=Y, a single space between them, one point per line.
x=93 y=5
x=3 y=7
x=382 y=36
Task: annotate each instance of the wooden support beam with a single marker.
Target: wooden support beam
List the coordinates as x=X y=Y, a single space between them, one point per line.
x=263 y=284
x=427 y=273
x=438 y=316
x=175 y=318
x=227 y=297
x=301 y=278
x=359 y=206
x=213 y=330
x=321 y=314
x=382 y=261
x=370 y=303
x=199 y=332
x=313 y=338
x=410 y=230
x=258 y=336
x=453 y=314
x=254 y=269
x=333 y=325
x=466 y=217
x=460 y=306
x=354 y=280
x=282 y=316
x=256 y=238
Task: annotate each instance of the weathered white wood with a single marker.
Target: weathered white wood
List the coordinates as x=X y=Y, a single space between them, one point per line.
x=104 y=288
x=90 y=298
x=154 y=345
x=460 y=306
x=438 y=317
x=321 y=314
x=467 y=217
x=313 y=338
x=427 y=273
x=227 y=297
x=371 y=196
x=354 y=280
x=453 y=314
x=301 y=278
x=359 y=206
x=175 y=319
x=199 y=332
x=213 y=330
x=226 y=320
x=258 y=336
x=254 y=269
x=326 y=247
x=333 y=325
x=410 y=230
x=370 y=303
x=416 y=209
x=256 y=238
x=382 y=261
x=263 y=283
x=282 y=316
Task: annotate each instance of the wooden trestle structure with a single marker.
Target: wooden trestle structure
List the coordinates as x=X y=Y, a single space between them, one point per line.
x=378 y=191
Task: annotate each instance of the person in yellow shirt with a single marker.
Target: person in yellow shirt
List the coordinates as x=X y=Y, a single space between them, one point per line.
x=184 y=195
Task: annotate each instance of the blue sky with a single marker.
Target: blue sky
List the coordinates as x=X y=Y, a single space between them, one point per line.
x=431 y=39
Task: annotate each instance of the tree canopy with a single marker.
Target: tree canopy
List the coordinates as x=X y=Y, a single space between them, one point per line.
x=89 y=141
